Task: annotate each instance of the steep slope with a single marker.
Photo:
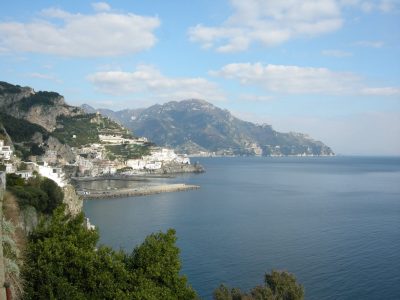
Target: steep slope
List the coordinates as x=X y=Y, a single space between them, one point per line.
x=41 y=121
x=196 y=125
x=41 y=108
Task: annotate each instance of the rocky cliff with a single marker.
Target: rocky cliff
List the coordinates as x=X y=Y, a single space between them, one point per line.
x=41 y=108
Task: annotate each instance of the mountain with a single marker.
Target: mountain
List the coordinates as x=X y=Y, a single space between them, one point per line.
x=194 y=126
x=36 y=122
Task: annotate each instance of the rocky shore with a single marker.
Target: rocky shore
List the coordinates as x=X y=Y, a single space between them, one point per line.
x=139 y=191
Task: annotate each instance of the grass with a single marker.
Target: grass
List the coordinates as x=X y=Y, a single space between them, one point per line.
x=127 y=151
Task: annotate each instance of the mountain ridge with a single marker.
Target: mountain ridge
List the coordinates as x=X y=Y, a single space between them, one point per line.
x=193 y=126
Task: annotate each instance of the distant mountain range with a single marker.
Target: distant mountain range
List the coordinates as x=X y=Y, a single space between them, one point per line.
x=194 y=126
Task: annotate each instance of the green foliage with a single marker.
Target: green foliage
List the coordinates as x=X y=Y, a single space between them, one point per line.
x=125 y=169
x=222 y=293
x=42 y=193
x=6 y=88
x=37 y=150
x=39 y=98
x=19 y=129
x=127 y=151
x=86 y=129
x=63 y=263
x=156 y=265
x=81 y=126
x=29 y=195
x=22 y=152
x=10 y=249
x=278 y=286
x=59 y=258
x=283 y=286
x=14 y=180
x=54 y=193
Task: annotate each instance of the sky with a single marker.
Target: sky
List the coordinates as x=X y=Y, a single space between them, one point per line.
x=328 y=68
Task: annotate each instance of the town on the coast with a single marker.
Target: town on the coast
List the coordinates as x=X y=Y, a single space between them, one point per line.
x=91 y=162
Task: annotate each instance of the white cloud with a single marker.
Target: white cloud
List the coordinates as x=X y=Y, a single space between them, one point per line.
x=101 y=6
x=370 y=44
x=383 y=6
x=381 y=91
x=62 y=33
x=269 y=22
x=300 y=80
x=43 y=76
x=273 y=22
x=147 y=81
x=336 y=53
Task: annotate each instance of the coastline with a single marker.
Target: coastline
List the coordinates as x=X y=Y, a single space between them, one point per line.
x=139 y=191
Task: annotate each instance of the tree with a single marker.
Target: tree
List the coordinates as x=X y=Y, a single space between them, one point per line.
x=278 y=286
x=156 y=266
x=54 y=193
x=283 y=286
x=59 y=256
x=40 y=192
x=62 y=262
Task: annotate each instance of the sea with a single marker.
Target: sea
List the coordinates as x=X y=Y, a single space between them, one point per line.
x=334 y=222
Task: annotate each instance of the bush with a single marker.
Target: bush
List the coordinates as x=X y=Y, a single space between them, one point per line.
x=41 y=193
x=62 y=263
x=278 y=286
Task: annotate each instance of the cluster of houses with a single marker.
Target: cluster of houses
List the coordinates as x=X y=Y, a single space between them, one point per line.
x=42 y=168
x=156 y=159
x=92 y=161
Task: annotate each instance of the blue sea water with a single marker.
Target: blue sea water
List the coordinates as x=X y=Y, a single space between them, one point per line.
x=332 y=221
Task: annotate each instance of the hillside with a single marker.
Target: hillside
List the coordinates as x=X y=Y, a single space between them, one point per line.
x=41 y=121
x=194 y=126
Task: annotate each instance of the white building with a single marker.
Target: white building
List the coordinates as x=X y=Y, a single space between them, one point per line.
x=167 y=155
x=25 y=174
x=54 y=173
x=10 y=168
x=136 y=164
x=5 y=151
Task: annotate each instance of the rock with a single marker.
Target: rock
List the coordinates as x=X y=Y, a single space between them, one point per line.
x=64 y=151
x=72 y=200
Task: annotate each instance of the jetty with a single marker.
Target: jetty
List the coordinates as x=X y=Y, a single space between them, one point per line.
x=138 y=191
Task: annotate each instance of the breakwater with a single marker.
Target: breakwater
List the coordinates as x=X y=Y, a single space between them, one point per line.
x=138 y=191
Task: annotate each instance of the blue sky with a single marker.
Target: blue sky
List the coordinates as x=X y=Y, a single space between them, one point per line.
x=329 y=68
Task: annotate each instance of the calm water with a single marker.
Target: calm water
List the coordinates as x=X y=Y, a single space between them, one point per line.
x=334 y=222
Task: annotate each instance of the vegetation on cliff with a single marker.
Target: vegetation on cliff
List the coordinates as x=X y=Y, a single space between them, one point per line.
x=127 y=151
x=18 y=129
x=40 y=192
x=7 y=88
x=39 y=98
x=62 y=262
